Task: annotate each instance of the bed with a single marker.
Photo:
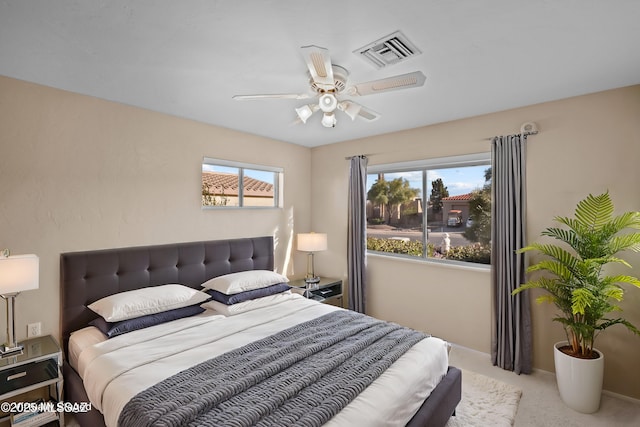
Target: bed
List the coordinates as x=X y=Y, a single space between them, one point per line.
x=87 y=277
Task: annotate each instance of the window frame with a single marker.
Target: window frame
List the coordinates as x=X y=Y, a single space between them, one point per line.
x=423 y=166
x=278 y=182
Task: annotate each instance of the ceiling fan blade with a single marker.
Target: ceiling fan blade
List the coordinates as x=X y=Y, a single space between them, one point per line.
x=403 y=81
x=368 y=114
x=319 y=64
x=273 y=95
x=353 y=110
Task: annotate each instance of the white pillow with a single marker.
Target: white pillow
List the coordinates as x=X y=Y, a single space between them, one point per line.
x=243 y=307
x=140 y=302
x=244 y=281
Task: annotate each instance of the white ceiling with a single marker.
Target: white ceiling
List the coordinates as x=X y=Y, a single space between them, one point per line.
x=189 y=57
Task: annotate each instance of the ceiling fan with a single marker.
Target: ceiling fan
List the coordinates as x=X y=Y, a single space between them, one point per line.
x=329 y=83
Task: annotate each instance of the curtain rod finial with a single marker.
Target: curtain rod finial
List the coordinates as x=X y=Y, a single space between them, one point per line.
x=362 y=156
x=529 y=127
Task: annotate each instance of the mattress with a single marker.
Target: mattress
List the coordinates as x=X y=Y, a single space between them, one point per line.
x=115 y=370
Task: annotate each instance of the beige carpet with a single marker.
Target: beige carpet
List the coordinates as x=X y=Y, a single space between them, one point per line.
x=485 y=402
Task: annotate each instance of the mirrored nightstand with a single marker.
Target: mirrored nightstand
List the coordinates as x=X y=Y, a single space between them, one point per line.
x=34 y=373
x=327 y=290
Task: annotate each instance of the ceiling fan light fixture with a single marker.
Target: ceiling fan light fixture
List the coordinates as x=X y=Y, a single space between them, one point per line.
x=304 y=112
x=351 y=108
x=328 y=102
x=329 y=120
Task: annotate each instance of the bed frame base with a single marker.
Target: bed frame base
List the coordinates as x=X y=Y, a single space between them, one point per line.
x=441 y=403
x=434 y=412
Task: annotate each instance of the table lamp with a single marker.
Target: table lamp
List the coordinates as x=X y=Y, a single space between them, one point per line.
x=17 y=273
x=311 y=242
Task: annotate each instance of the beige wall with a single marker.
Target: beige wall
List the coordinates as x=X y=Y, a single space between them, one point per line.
x=587 y=144
x=79 y=173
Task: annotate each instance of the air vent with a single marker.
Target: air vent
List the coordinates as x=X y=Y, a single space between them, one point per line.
x=388 y=50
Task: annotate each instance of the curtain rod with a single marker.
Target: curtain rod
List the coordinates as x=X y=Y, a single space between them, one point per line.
x=527 y=128
x=522 y=133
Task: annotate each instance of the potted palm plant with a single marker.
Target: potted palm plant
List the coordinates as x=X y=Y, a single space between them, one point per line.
x=575 y=281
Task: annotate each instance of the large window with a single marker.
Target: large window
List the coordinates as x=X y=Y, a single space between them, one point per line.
x=438 y=209
x=227 y=184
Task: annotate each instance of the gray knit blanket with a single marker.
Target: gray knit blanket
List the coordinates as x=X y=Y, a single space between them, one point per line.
x=301 y=376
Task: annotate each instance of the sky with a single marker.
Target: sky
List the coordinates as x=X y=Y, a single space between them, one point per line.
x=458 y=180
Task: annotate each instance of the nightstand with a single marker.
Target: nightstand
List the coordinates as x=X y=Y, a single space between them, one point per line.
x=36 y=373
x=328 y=291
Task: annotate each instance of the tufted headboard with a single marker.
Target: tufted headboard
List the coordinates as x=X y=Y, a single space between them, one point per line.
x=88 y=276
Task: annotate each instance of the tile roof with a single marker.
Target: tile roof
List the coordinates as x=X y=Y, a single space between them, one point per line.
x=219 y=181
x=459 y=197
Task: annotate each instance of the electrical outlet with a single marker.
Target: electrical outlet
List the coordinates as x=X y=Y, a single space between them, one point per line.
x=34 y=329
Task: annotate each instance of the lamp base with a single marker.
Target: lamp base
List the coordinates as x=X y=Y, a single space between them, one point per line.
x=11 y=347
x=315 y=279
x=6 y=351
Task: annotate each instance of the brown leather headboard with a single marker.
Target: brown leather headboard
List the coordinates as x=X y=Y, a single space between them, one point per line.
x=88 y=276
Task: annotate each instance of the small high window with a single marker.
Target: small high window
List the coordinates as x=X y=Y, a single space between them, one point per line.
x=228 y=184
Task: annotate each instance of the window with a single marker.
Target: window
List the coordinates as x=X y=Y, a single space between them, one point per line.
x=221 y=185
x=453 y=225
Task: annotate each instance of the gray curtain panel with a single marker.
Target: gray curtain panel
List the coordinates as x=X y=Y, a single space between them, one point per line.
x=357 y=229
x=511 y=346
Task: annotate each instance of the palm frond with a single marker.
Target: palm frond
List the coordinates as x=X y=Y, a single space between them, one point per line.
x=608 y=260
x=629 y=242
x=621 y=278
x=534 y=284
x=552 y=266
x=595 y=212
x=581 y=299
x=567 y=236
x=573 y=224
x=610 y=322
x=626 y=220
x=600 y=261
x=545 y=283
x=615 y=292
x=531 y=247
x=547 y=298
x=556 y=252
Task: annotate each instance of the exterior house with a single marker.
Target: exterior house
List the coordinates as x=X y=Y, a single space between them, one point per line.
x=222 y=189
x=460 y=204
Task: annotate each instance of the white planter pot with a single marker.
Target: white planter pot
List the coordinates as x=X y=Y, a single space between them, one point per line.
x=579 y=380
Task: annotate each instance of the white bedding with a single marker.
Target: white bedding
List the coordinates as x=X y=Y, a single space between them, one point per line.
x=117 y=369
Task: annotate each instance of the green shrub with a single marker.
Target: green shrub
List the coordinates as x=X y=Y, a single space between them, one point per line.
x=477 y=252
x=376 y=221
x=412 y=247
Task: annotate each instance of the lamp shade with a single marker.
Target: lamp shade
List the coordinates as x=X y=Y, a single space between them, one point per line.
x=312 y=242
x=328 y=120
x=19 y=273
x=304 y=113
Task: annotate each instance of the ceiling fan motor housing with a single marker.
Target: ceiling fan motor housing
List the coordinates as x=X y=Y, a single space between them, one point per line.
x=340 y=76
